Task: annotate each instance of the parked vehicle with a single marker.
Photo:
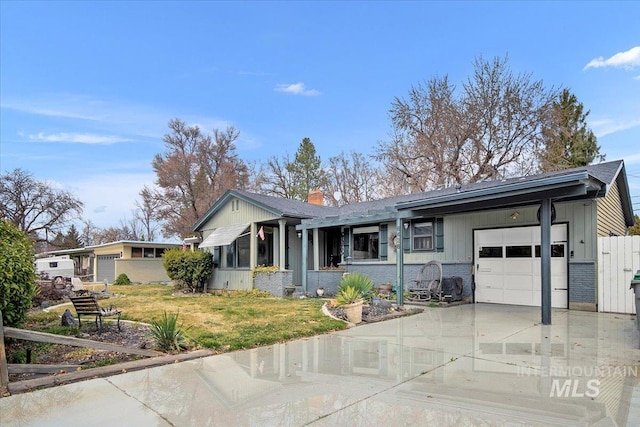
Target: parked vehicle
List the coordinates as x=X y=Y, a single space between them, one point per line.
x=60 y=269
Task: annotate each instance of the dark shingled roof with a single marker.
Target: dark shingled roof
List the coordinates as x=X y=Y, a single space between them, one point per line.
x=288 y=207
x=604 y=172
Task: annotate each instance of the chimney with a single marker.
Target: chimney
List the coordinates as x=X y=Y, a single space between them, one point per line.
x=316 y=197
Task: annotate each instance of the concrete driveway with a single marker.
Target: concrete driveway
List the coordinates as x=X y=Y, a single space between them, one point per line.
x=468 y=365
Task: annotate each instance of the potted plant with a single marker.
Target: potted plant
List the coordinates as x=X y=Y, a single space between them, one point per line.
x=353 y=290
x=350 y=299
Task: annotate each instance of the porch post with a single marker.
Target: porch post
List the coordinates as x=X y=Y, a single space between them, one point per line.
x=545 y=259
x=282 y=230
x=399 y=264
x=316 y=250
x=253 y=247
x=305 y=255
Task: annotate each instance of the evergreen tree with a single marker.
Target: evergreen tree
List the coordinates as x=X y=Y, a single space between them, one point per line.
x=72 y=240
x=569 y=143
x=634 y=230
x=305 y=170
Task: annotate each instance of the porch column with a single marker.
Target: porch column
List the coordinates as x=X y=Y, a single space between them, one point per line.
x=282 y=230
x=545 y=259
x=253 y=247
x=316 y=250
x=305 y=255
x=399 y=264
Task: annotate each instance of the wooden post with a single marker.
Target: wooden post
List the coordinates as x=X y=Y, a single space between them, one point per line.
x=4 y=370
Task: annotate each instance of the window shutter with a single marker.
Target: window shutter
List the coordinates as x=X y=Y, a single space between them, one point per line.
x=439 y=232
x=406 y=239
x=346 y=238
x=382 y=242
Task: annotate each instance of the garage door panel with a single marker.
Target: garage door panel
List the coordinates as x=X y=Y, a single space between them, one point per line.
x=508 y=266
x=518 y=235
x=519 y=297
x=492 y=267
x=523 y=283
x=521 y=266
x=490 y=295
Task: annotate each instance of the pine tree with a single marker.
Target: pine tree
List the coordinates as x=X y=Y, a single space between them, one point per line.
x=306 y=170
x=634 y=230
x=569 y=143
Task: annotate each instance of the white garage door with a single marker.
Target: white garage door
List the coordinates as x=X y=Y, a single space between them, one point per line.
x=508 y=266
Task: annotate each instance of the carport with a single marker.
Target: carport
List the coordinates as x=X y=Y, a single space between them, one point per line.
x=542 y=191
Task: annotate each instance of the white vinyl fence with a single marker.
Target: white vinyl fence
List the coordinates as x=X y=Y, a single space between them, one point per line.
x=618 y=260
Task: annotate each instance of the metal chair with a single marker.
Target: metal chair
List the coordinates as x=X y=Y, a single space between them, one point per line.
x=428 y=283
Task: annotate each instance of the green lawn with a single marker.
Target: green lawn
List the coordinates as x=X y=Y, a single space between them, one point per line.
x=225 y=322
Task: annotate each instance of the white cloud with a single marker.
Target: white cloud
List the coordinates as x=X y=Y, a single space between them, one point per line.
x=111 y=196
x=77 y=138
x=297 y=89
x=607 y=126
x=628 y=60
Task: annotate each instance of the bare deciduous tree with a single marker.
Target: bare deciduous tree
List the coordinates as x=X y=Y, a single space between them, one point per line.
x=277 y=180
x=36 y=207
x=146 y=213
x=491 y=128
x=193 y=172
x=350 y=179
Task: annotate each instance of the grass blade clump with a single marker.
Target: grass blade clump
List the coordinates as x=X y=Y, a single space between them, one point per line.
x=168 y=334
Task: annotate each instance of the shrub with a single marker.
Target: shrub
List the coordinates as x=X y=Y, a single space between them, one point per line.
x=122 y=279
x=360 y=282
x=47 y=293
x=188 y=269
x=167 y=334
x=17 y=274
x=348 y=295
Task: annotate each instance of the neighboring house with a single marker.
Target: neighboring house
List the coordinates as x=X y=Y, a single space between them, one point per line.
x=140 y=261
x=488 y=233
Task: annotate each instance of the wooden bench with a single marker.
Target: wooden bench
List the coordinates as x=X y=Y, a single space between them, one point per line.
x=88 y=306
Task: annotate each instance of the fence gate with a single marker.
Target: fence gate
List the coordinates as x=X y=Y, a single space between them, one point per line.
x=618 y=260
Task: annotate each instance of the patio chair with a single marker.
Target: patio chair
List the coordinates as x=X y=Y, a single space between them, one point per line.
x=428 y=283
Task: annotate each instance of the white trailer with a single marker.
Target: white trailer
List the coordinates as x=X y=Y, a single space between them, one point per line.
x=56 y=268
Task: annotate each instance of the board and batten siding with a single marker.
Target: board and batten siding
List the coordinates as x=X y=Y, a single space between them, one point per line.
x=610 y=215
x=458 y=229
x=245 y=213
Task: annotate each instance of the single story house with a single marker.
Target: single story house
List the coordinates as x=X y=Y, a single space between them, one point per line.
x=497 y=235
x=140 y=261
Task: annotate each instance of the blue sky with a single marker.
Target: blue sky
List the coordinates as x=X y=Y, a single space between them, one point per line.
x=87 y=88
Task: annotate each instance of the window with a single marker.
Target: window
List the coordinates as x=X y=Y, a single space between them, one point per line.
x=423 y=236
x=557 y=251
x=521 y=251
x=147 y=252
x=490 y=252
x=53 y=265
x=365 y=242
x=237 y=254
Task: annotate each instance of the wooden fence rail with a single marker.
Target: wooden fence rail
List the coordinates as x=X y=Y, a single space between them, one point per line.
x=6 y=368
